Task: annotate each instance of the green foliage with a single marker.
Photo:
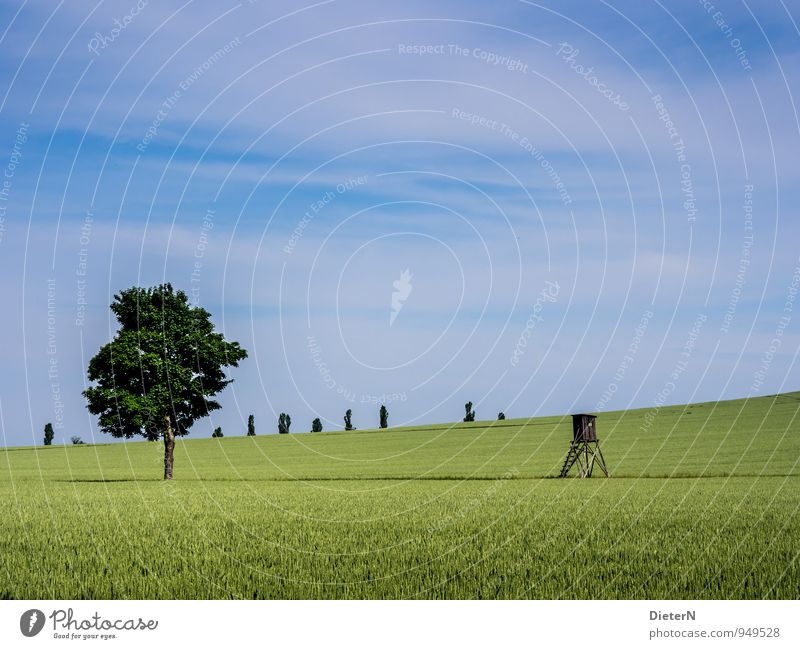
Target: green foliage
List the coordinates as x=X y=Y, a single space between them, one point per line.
x=316 y=426
x=217 y=432
x=384 y=417
x=49 y=434
x=76 y=440
x=165 y=360
x=251 y=426
x=470 y=413
x=501 y=416
x=284 y=422
x=348 y=420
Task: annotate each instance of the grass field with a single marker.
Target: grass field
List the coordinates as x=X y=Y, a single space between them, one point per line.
x=704 y=502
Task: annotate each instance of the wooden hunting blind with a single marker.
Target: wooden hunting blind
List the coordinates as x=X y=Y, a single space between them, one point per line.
x=583 y=428
x=584 y=450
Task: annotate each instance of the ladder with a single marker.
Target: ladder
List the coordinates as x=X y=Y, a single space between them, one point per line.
x=572 y=456
x=587 y=455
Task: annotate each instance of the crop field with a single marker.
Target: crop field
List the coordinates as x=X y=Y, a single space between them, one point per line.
x=704 y=502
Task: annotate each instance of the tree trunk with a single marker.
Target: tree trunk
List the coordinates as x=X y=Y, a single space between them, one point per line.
x=169 y=448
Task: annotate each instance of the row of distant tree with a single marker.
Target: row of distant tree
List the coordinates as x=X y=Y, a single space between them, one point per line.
x=284 y=424
x=285 y=421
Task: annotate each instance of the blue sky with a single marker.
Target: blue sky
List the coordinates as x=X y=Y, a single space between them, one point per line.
x=572 y=186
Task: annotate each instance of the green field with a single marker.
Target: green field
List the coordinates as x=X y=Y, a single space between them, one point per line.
x=703 y=503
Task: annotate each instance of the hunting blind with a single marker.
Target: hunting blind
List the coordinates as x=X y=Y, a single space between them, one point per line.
x=584 y=450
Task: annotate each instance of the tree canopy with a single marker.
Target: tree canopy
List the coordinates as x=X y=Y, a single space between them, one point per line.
x=384 y=417
x=163 y=367
x=49 y=434
x=470 y=413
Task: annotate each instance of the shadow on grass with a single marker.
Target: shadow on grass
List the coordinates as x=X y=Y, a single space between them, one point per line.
x=450 y=478
x=101 y=480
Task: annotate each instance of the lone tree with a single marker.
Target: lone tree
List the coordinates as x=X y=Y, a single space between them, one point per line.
x=217 y=432
x=48 y=434
x=162 y=369
x=501 y=416
x=284 y=421
x=316 y=426
x=384 y=417
x=251 y=426
x=76 y=440
x=470 y=415
x=348 y=420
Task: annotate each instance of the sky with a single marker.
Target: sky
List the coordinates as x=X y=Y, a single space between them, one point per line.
x=539 y=207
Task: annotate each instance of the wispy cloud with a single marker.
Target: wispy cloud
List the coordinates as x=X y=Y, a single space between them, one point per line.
x=480 y=146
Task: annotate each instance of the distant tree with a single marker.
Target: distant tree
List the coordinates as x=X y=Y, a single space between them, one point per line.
x=76 y=440
x=470 y=414
x=48 y=434
x=348 y=423
x=501 y=415
x=284 y=421
x=251 y=426
x=316 y=426
x=162 y=369
x=384 y=417
x=217 y=432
